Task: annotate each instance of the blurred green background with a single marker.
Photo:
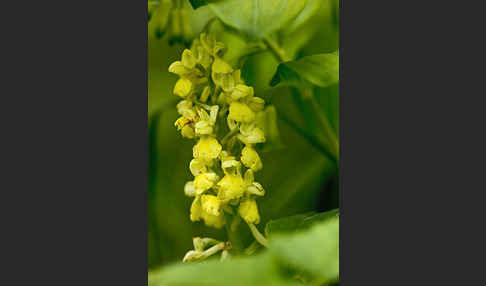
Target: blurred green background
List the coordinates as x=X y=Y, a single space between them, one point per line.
x=297 y=177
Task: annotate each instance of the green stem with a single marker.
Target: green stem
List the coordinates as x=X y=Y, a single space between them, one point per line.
x=311 y=139
x=233 y=238
x=326 y=127
x=252 y=248
x=229 y=135
x=277 y=51
x=257 y=235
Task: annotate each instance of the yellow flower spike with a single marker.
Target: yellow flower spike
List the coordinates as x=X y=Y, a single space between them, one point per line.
x=188 y=132
x=248 y=210
x=207 y=148
x=189 y=189
x=197 y=167
x=241 y=112
x=181 y=122
x=211 y=204
x=204 y=182
x=183 y=87
x=230 y=187
x=188 y=59
x=203 y=127
x=240 y=91
x=196 y=209
x=256 y=104
x=250 y=158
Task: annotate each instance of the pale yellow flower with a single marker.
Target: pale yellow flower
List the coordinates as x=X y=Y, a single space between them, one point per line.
x=248 y=210
x=250 y=158
x=183 y=87
x=241 y=112
x=204 y=182
x=211 y=204
x=208 y=148
x=230 y=187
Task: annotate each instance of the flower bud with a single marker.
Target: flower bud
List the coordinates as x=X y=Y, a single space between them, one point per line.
x=248 y=210
x=240 y=112
x=188 y=132
x=250 y=158
x=183 y=87
x=189 y=189
x=188 y=59
x=193 y=255
x=200 y=244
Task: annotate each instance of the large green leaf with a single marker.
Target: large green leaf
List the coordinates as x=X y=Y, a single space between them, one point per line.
x=255 y=270
x=298 y=222
x=257 y=18
x=312 y=256
x=321 y=70
x=314 y=252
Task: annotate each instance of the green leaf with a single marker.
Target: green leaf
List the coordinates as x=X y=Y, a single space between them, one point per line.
x=314 y=252
x=321 y=70
x=255 y=270
x=257 y=18
x=198 y=3
x=298 y=222
x=312 y=256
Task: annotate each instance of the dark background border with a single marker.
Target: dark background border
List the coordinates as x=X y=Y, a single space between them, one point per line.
x=75 y=144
